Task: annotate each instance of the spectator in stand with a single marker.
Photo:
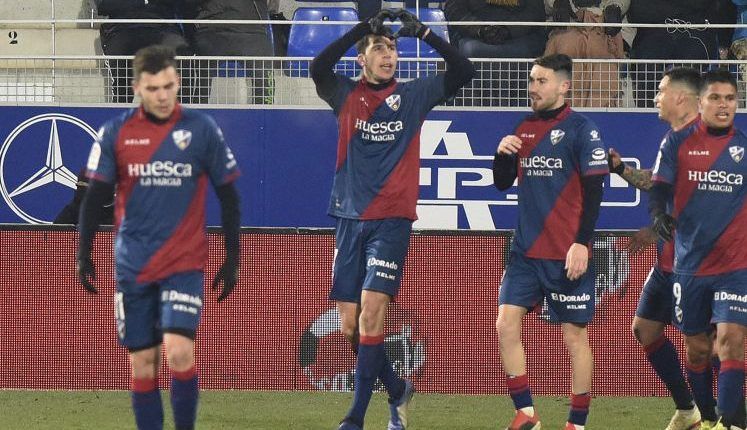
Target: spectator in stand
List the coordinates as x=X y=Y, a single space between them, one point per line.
x=491 y=41
x=126 y=38
x=235 y=40
x=594 y=84
x=665 y=43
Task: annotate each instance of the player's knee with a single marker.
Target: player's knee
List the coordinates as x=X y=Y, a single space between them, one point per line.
x=730 y=345
x=636 y=332
x=575 y=337
x=180 y=358
x=372 y=320
x=350 y=331
x=507 y=328
x=698 y=352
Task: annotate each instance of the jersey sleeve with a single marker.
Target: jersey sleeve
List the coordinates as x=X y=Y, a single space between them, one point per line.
x=102 y=163
x=665 y=167
x=336 y=92
x=431 y=90
x=591 y=152
x=221 y=163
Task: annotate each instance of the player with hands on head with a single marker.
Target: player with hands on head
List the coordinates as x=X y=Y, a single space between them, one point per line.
x=375 y=189
x=677 y=102
x=560 y=161
x=161 y=157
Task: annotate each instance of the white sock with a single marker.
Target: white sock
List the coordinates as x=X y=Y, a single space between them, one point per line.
x=528 y=411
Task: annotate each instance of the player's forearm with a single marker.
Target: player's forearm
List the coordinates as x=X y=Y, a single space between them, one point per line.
x=459 y=70
x=89 y=218
x=592 y=187
x=322 y=66
x=504 y=171
x=230 y=218
x=659 y=197
x=639 y=178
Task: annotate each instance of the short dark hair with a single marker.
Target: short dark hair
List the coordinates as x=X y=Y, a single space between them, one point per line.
x=362 y=44
x=718 y=76
x=153 y=59
x=687 y=77
x=558 y=63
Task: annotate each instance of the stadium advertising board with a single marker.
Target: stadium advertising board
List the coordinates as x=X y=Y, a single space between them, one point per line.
x=287 y=158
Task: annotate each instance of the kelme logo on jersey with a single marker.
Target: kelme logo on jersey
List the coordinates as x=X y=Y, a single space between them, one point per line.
x=393 y=101
x=556 y=136
x=737 y=153
x=182 y=138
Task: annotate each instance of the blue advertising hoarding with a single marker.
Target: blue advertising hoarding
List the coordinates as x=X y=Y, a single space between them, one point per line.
x=287 y=158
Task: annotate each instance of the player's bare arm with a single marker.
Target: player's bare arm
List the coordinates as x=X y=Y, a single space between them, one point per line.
x=639 y=178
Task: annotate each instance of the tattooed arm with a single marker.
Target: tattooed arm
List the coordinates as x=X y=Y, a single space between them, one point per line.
x=639 y=178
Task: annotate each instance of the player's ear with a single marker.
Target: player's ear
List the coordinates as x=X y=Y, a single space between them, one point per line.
x=361 y=60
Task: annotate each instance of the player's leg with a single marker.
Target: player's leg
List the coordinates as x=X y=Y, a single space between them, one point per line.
x=730 y=339
x=576 y=339
x=181 y=306
x=572 y=303
x=692 y=315
x=730 y=316
x=136 y=312
x=371 y=353
x=386 y=251
x=519 y=292
x=653 y=314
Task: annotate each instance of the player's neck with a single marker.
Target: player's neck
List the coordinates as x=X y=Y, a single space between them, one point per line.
x=552 y=112
x=684 y=120
x=154 y=119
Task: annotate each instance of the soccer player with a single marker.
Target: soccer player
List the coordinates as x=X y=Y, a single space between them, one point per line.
x=560 y=160
x=161 y=157
x=701 y=168
x=375 y=188
x=677 y=101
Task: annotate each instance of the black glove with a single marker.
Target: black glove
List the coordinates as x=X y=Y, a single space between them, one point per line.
x=86 y=273
x=664 y=226
x=228 y=273
x=612 y=14
x=562 y=11
x=493 y=34
x=377 y=22
x=411 y=25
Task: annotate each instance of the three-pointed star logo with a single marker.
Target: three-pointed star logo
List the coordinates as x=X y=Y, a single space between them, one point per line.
x=53 y=171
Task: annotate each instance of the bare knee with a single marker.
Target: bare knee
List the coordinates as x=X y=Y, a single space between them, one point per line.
x=144 y=363
x=698 y=349
x=180 y=352
x=575 y=337
x=646 y=331
x=730 y=342
x=508 y=328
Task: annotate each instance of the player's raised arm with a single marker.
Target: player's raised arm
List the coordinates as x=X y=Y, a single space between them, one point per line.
x=459 y=70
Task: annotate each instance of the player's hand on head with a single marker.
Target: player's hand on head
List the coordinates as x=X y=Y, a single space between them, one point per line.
x=228 y=275
x=641 y=240
x=509 y=145
x=576 y=261
x=664 y=226
x=86 y=272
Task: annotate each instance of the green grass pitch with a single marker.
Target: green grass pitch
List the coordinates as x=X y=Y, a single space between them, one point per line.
x=41 y=410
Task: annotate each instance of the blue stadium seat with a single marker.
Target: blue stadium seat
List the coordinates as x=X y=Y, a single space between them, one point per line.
x=307 y=40
x=408 y=46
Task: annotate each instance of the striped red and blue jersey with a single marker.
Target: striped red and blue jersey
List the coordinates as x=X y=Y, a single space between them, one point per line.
x=378 y=151
x=161 y=172
x=555 y=154
x=707 y=174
